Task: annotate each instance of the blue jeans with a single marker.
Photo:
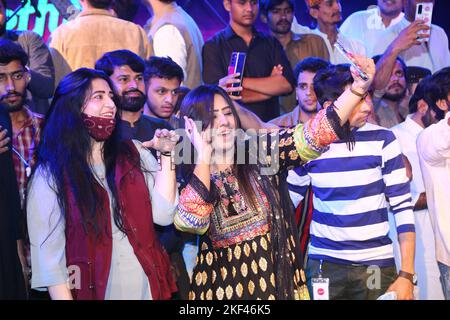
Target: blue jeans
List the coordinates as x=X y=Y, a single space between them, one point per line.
x=445 y=279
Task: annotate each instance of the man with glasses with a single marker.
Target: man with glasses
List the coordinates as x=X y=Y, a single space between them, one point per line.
x=279 y=14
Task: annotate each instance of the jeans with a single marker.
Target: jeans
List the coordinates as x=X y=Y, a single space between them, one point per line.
x=352 y=282
x=445 y=279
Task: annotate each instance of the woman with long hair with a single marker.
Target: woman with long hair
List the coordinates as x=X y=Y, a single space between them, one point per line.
x=93 y=199
x=249 y=246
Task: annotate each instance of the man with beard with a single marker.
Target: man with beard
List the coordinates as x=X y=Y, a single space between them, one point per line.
x=126 y=71
x=420 y=116
x=40 y=63
x=267 y=73
x=279 y=14
x=367 y=26
x=307 y=105
x=328 y=14
x=26 y=125
x=391 y=102
x=163 y=78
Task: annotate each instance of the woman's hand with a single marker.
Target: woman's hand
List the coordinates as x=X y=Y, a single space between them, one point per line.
x=226 y=84
x=163 y=141
x=367 y=66
x=200 y=140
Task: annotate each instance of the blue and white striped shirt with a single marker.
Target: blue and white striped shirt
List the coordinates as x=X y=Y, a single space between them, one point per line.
x=351 y=189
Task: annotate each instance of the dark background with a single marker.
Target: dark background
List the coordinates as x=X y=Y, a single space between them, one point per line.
x=209 y=14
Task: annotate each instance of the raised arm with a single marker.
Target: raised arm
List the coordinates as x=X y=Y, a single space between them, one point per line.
x=405 y=40
x=196 y=198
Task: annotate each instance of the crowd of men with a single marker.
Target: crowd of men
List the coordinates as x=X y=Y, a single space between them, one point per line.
x=290 y=73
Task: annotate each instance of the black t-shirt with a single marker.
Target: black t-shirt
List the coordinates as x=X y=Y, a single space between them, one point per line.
x=263 y=53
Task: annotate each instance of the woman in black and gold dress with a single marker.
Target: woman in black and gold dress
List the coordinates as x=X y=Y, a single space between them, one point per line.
x=240 y=205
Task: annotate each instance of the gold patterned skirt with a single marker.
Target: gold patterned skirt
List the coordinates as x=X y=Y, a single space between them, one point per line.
x=243 y=271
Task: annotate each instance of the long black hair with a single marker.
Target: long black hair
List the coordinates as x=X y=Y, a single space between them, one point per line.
x=198 y=105
x=66 y=147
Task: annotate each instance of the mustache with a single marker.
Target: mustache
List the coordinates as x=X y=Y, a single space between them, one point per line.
x=283 y=22
x=125 y=93
x=11 y=93
x=396 y=85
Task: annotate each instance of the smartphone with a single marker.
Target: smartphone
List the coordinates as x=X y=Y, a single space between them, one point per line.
x=349 y=57
x=237 y=63
x=424 y=11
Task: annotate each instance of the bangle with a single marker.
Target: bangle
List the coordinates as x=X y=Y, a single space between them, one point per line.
x=356 y=93
x=166 y=154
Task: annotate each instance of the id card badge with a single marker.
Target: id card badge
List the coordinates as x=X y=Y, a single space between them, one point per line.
x=321 y=288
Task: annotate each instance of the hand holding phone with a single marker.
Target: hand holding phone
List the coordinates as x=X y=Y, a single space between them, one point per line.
x=424 y=11
x=350 y=58
x=236 y=66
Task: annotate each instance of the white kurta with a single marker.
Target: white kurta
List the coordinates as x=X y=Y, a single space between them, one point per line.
x=425 y=257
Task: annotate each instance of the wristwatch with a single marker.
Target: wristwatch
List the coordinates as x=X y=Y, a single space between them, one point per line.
x=410 y=276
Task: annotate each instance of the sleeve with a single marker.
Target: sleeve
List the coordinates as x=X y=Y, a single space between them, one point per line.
x=195 y=207
x=163 y=211
x=351 y=26
x=213 y=70
x=147 y=48
x=298 y=182
x=281 y=58
x=397 y=189
x=42 y=84
x=56 y=48
x=168 y=41
x=433 y=143
x=46 y=229
x=290 y=148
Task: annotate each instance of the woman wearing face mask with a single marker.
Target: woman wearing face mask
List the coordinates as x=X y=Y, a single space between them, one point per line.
x=92 y=200
x=249 y=245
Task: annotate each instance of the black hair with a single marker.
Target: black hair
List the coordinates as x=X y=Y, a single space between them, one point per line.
x=162 y=67
x=198 y=105
x=10 y=51
x=439 y=90
x=101 y=4
x=266 y=5
x=422 y=92
x=398 y=59
x=110 y=60
x=329 y=84
x=65 y=148
x=311 y=64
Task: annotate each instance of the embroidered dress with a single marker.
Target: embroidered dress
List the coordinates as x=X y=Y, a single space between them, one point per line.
x=248 y=253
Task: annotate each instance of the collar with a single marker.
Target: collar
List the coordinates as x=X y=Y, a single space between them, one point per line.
x=412 y=125
x=229 y=32
x=97 y=12
x=378 y=21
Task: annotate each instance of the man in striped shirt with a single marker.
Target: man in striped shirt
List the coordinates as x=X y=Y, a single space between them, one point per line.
x=353 y=182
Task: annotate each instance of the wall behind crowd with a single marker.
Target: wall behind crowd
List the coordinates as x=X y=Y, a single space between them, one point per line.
x=209 y=14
